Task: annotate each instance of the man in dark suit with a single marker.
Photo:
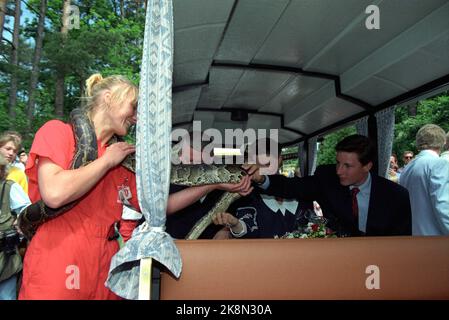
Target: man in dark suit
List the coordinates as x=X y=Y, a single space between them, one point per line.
x=354 y=200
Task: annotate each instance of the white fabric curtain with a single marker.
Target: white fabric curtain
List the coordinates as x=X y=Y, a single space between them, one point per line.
x=385 y=136
x=302 y=158
x=312 y=150
x=312 y=154
x=361 y=126
x=153 y=159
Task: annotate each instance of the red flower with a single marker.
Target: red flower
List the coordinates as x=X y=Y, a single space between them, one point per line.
x=315 y=227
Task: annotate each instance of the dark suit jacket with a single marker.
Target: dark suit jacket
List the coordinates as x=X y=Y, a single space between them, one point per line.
x=389 y=212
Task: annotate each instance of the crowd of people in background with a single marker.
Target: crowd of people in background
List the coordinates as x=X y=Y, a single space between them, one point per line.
x=14 y=198
x=354 y=200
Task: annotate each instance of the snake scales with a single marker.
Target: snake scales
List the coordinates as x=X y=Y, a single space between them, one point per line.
x=187 y=175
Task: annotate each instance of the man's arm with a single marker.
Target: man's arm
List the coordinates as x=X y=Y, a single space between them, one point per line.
x=306 y=188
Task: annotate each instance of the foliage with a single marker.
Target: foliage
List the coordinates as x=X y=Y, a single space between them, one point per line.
x=105 y=42
x=292 y=162
x=434 y=110
x=326 y=151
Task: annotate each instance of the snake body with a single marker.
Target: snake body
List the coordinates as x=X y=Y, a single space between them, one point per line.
x=86 y=151
x=221 y=206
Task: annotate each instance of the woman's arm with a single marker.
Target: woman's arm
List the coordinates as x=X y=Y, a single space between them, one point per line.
x=184 y=198
x=59 y=187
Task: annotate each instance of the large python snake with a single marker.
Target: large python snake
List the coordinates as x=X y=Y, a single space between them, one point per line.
x=86 y=151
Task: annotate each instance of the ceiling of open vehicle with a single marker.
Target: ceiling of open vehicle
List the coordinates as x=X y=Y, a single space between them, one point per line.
x=302 y=66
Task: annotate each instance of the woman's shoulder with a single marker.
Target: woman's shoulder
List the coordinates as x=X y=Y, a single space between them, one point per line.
x=54 y=140
x=55 y=125
x=54 y=132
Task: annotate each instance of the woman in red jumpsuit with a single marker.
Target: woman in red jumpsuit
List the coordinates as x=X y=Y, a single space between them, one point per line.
x=69 y=256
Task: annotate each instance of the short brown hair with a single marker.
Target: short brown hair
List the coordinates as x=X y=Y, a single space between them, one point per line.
x=430 y=136
x=10 y=136
x=361 y=145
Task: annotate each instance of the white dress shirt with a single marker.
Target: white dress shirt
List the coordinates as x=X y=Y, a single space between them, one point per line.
x=363 y=201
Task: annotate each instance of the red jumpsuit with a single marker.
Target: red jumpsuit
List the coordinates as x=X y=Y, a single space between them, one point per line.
x=69 y=256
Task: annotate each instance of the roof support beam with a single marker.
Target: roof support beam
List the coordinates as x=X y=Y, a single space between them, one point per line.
x=229 y=110
x=298 y=71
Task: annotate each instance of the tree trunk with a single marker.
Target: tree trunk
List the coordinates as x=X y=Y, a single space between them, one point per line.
x=2 y=16
x=36 y=61
x=114 y=6
x=60 y=72
x=15 y=65
x=122 y=9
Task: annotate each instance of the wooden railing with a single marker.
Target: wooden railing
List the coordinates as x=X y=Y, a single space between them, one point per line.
x=344 y=268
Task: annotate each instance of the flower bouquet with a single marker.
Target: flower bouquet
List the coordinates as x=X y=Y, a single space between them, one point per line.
x=309 y=225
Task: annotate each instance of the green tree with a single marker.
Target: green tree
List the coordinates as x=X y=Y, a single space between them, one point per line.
x=326 y=152
x=433 y=110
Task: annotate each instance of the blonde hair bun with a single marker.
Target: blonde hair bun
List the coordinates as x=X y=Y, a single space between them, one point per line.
x=91 y=82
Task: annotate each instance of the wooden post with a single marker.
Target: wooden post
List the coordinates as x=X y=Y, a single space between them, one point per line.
x=145 y=279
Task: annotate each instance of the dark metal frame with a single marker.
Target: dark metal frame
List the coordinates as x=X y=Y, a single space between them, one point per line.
x=369 y=109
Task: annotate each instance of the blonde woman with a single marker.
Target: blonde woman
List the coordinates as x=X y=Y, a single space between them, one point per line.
x=69 y=256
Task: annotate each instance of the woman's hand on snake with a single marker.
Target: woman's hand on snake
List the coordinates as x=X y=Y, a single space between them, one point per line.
x=116 y=152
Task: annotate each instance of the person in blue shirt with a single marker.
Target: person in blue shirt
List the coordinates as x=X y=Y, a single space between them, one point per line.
x=427 y=181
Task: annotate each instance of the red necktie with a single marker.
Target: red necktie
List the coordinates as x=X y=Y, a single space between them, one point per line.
x=355 y=205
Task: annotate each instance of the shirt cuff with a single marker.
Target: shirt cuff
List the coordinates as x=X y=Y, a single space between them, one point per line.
x=265 y=184
x=241 y=233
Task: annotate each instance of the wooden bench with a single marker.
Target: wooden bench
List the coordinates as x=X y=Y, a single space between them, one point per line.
x=344 y=268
